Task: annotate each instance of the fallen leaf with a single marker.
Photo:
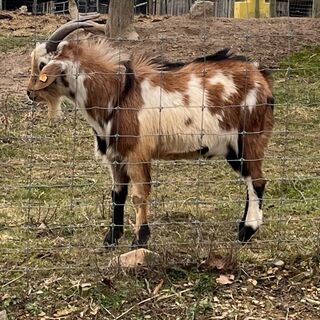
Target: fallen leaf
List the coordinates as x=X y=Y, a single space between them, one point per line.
x=253 y=281
x=215 y=261
x=270 y=271
x=225 y=279
x=65 y=312
x=5 y=296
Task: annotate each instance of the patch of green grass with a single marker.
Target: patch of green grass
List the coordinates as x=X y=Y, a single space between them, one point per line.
x=11 y=43
x=298 y=80
x=304 y=63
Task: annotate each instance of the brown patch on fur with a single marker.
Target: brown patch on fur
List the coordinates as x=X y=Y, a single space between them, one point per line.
x=188 y=122
x=186 y=100
x=106 y=80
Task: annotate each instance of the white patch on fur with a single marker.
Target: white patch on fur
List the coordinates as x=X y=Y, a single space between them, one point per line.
x=38 y=55
x=219 y=117
x=62 y=44
x=39 y=51
x=254 y=214
x=163 y=122
x=107 y=129
x=228 y=84
x=106 y=133
x=76 y=81
x=250 y=100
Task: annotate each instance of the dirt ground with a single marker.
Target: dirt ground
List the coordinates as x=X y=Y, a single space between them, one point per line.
x=52 y=265
x=175 y=38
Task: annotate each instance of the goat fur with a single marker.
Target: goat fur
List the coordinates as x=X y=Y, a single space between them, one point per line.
x=142 y=109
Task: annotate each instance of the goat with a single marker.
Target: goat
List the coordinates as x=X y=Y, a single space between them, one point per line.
x=141 y=109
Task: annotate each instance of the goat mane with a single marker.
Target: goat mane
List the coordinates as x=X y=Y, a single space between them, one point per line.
x=220 y=55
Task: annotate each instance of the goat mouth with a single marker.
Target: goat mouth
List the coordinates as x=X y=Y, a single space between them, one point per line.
x=34 y=98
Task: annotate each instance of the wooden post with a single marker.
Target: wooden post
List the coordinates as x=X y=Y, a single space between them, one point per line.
x=316 y=9
x=150 y=7
x=273 y=8
x=1 y=7
x=257 y=9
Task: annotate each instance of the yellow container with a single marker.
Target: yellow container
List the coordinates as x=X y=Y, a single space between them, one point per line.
x=246 y=9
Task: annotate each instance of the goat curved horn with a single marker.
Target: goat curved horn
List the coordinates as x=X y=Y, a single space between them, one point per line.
x=87 y=17
x=97 y=28
x=66 y=29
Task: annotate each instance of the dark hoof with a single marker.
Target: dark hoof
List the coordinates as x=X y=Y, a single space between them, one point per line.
x=112 y=237
x=245 y=232
x=142 y=239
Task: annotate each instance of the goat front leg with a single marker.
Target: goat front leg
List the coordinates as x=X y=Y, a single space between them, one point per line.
x=119 y=195
x=141 y=188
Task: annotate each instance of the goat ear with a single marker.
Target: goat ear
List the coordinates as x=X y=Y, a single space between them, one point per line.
x=46 y=77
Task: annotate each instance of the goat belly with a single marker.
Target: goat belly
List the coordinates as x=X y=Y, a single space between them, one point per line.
x=185 y=132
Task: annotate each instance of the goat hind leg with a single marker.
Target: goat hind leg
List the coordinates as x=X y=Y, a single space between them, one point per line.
x=251 y=170
x=141 y=188
x=119 y=196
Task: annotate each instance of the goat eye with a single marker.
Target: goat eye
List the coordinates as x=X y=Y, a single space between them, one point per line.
x=42 y=65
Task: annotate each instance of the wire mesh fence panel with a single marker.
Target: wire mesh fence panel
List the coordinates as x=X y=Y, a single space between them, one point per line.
x=142 y=197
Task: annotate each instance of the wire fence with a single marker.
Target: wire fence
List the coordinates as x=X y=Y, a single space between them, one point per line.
x=56 y=203
x=217 y=8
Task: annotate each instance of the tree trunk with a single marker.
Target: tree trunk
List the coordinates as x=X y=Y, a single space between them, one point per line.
x=73 y=9
x=121 y=19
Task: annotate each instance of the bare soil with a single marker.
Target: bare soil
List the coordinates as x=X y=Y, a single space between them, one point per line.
x=176 y=38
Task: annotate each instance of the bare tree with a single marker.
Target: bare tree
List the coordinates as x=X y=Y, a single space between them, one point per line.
x=121 y=14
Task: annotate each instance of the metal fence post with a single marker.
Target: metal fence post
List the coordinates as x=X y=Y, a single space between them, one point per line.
x=34 y=6
x=316 y=9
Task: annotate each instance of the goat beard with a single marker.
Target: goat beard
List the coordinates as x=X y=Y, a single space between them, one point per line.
x=54 y=107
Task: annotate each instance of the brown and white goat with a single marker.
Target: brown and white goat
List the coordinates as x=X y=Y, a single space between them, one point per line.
x=141 y=109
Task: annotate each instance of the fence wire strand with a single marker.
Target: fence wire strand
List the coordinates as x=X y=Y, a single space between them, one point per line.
x=56 y=199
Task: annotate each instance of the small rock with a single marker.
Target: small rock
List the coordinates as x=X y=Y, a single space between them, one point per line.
x=201 y=8
x=23 y=9
x=278 y=263
x=3 y=315
x=134 y=258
